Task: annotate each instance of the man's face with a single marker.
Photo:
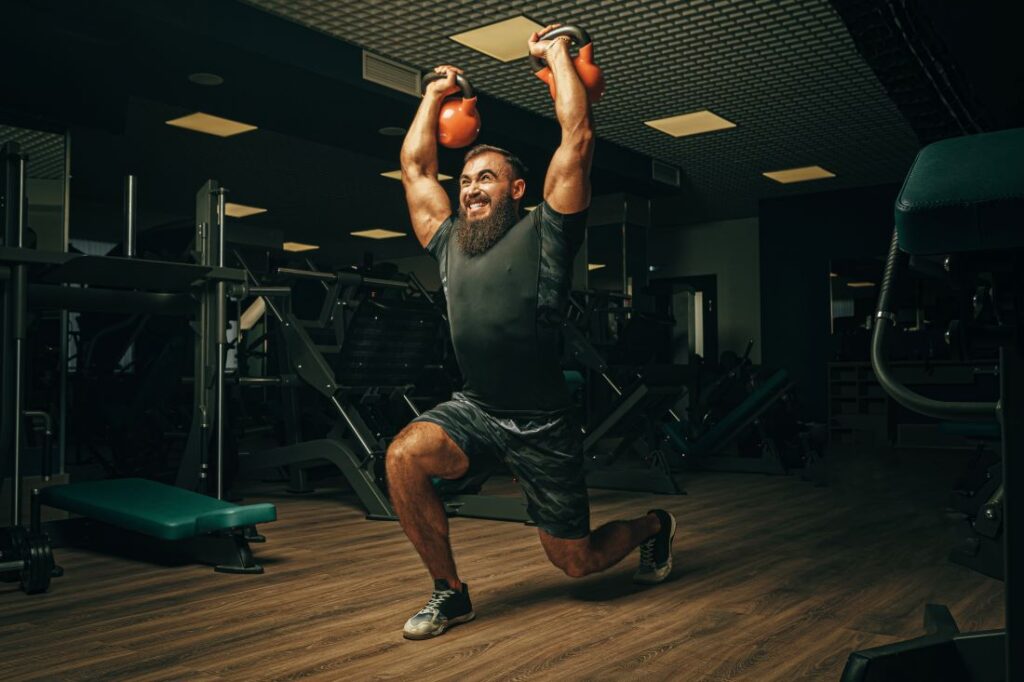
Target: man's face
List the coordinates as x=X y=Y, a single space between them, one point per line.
x=486 y=180
x=487 y=202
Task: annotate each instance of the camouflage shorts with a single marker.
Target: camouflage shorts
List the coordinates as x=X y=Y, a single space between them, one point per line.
x=544 y=453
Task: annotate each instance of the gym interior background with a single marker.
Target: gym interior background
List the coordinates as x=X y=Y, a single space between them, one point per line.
x=732 y=306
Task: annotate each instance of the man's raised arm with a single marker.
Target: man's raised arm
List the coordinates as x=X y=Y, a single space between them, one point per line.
x=427 y=200
x=567 y=184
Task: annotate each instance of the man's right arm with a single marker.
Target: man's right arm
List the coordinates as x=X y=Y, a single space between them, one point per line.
x=428 y=202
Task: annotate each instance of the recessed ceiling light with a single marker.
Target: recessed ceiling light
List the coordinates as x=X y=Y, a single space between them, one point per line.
x=204 y=78
x=691 y=124
x=505 y=40
x=211 y=125
x=594 y=266
x=529 y=208
x=298 y=247
x=832 y=274
x=241 y=210
x=391 y=131
x=397 y=175
x=378 y=234
x=802 y=174
x=860 y=285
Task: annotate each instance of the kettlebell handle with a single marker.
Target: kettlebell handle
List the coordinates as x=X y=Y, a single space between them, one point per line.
x=467 y=90
x=579 y=38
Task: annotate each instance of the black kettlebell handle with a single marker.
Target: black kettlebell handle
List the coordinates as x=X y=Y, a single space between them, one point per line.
x=579 y=38
x=467 y=90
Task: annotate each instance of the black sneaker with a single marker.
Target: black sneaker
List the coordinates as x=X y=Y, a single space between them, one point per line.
x=656 y=552
x=445 y=608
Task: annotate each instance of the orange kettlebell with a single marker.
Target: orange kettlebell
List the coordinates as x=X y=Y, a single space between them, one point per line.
x=459 y=122
x=589 y=72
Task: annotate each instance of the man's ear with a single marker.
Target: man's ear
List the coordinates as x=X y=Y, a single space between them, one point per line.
x=518 y=188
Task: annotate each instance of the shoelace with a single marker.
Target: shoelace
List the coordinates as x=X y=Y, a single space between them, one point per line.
x=647 y=553
x=434 y=605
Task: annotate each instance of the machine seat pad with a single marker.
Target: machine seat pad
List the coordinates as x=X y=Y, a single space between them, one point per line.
x=976 y=430
x=964 y=194
x=162 y=511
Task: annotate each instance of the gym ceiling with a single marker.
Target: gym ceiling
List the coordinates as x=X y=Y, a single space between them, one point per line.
x=838 y=84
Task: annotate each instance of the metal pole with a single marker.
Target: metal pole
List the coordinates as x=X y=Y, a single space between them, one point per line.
x=131 y=188
x=1011 y=419
x=222 y=322
x=65 y=322
x=19 y=291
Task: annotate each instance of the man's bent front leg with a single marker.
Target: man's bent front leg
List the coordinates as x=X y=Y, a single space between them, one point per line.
x=602 y=549
x=420 y=451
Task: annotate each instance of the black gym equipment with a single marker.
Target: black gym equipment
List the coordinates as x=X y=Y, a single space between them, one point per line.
x=385 y=332
x=25 y=555
x=965 y=197
x=623 y=444
x=208 y=528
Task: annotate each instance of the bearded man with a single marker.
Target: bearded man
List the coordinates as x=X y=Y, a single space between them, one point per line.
x=507 y=279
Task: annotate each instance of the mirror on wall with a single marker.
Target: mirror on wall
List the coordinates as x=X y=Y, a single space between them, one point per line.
x=45 y=184
x=925 y=305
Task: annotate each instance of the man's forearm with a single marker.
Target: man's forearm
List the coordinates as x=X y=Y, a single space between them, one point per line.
x=419 y=150
x=572 y=107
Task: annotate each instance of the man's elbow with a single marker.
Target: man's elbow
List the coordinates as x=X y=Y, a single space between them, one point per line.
x=412 y=171
x=580 y=140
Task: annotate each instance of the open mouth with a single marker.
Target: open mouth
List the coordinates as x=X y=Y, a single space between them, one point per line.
x=476 y=204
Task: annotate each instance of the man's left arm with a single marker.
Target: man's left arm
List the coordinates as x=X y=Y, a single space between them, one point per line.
x=567 y=184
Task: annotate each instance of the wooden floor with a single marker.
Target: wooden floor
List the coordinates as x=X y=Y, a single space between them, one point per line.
x=776 y=580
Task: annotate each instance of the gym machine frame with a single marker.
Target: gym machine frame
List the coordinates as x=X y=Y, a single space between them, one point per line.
x=24 y=553
x=221 y=531
x=309 y=365
x=973 y=186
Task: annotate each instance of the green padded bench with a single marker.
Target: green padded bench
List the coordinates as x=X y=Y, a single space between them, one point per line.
x=215 y=530
x=964 y=194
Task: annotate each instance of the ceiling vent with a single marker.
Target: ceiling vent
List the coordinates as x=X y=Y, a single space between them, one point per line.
x=663 y=172
x=391 y=74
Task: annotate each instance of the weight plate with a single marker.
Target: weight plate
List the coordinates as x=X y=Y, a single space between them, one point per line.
x=38 y=567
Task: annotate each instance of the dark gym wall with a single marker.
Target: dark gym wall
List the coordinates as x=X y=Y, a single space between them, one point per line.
x=799 y=235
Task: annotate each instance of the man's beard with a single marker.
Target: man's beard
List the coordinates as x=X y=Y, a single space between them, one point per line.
x=476 y=236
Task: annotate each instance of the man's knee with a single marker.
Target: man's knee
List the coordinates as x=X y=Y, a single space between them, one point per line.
x=574 y=567
x=400 y=454
x=571 y=557
x=417 y=449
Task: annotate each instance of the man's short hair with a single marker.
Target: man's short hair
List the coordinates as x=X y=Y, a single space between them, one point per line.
x=519 y=170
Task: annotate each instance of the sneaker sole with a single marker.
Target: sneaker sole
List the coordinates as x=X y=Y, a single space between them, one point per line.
x=659 y=577
x=444 y=626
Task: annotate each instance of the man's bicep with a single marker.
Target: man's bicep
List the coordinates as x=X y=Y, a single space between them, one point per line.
x=428 y=206
x=567 y=184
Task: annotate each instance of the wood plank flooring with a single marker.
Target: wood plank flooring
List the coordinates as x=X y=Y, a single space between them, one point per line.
x=775 y=580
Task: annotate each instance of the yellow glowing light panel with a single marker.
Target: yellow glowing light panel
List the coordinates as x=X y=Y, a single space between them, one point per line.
x=691 y=124
x=298 y=247
x=397 y=175
x=211 y=125
x=505 y=40
x=378 y=234
x=241 y=210
x=802 y=174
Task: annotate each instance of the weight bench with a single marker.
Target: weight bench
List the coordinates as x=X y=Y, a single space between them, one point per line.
x=210 y=530
x=963 y=196
x=705 y=450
